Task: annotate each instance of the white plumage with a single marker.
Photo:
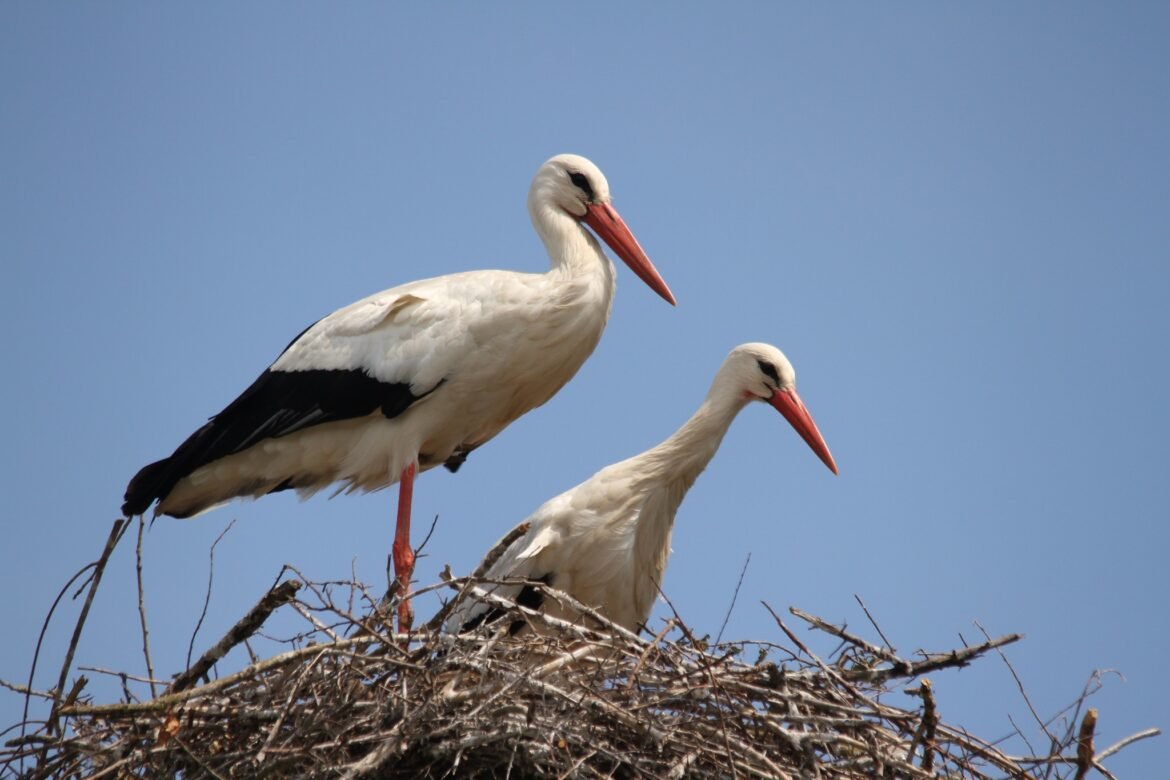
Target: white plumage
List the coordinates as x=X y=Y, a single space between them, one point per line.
x=476 y=350
x=606 y=542
x=415 y=376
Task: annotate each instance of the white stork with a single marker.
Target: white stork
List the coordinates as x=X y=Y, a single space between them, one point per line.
x=606 y=541
x=415 y=376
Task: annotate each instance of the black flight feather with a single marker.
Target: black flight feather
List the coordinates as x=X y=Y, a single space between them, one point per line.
x=277 y=403
x=529 y=596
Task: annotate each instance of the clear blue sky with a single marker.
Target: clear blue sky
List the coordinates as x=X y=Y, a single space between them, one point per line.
x=955 y=219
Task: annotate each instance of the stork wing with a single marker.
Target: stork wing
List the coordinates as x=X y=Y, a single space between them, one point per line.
x=522 y=559
x=381 y=354
x=416 y=333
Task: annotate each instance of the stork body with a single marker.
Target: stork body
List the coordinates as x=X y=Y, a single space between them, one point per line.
x=415 y=376
x=606 y=542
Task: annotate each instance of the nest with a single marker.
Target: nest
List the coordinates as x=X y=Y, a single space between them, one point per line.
x=348 y=697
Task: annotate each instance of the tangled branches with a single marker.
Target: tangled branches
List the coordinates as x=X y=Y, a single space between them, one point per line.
x=349 y=698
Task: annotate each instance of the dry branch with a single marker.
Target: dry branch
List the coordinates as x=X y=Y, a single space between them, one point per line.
x=95 y=579
x=247 y=625
x=565 y=700
x=1085 y=744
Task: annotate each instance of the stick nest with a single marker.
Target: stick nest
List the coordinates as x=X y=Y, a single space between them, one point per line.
x=347 y=697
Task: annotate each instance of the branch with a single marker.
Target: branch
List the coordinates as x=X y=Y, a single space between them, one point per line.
x=734 y=596
x=1020 y=684
x=874 y=623
x=902 y=667
x=1085 y=744
x=1104 y=754
x=829 y=671
x=277 y=597
x=142 y=607
x=207 y=595
x=115 y=536
x=925 y=734
x=168 y=700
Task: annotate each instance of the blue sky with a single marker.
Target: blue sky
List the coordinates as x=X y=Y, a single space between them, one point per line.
x=955 y=220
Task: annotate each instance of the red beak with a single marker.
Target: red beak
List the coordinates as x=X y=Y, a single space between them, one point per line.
x=788 y=403
x=608 y=225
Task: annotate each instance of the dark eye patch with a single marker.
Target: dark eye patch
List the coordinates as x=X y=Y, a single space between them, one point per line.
x=579 y=179
x=769 y=370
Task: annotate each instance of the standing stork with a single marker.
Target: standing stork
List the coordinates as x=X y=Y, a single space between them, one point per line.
x=606 y=541
x=415 y=376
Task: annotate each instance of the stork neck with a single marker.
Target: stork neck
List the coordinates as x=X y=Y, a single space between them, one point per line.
x=669 y=470
x=572 y=250
x=680 y=459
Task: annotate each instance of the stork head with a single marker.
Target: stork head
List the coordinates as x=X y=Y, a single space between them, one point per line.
x=760 y=372
x=572 y=185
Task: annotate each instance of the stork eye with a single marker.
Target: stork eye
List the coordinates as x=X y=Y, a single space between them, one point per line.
x=769 y=370
x=580 y=181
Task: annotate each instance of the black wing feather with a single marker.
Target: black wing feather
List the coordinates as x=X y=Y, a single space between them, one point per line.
x=276 y=404
x=529 y=596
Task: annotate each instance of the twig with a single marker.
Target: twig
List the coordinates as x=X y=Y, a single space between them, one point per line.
x=207 y=596
x=874 y=623
x=1020 y=733
x=99 y=568
x=1146 y=734
x=142 y=607
x=633 y=676
x=710 y=676
x=575 y=696
x=936 y=661
x=734 y=596
x=32 y=670
x=243 y=629
x=24 y=690
x=202 y=764
x=1104 y=772
x=135 y=677
x=418 y=551
x=168 y=700
x=856 y=694
x=288 y=703
x=1019 y=684
x=900 y=666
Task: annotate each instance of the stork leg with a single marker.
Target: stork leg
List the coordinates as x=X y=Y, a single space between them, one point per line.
x=402 y=552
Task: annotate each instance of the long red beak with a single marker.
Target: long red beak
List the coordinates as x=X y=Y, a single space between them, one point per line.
x=608 y=225
x=788 y=403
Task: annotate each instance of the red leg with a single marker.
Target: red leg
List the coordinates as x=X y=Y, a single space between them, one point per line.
x=402 y=552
